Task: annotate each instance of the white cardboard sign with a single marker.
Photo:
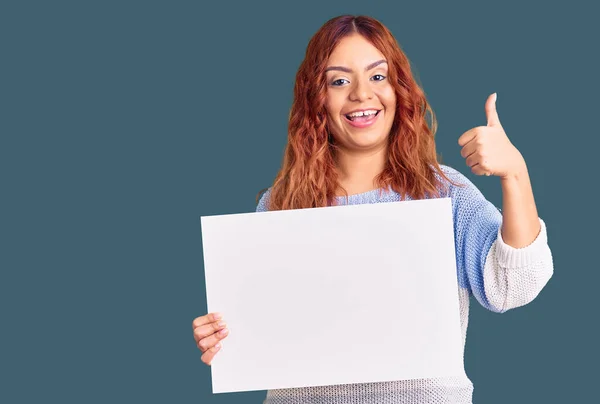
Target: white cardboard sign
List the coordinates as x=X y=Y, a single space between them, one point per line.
x=335 y=295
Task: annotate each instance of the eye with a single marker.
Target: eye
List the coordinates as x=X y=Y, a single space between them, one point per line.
x=378 y=77
x=338 y=82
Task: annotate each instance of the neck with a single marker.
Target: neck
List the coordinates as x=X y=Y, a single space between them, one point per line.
x=358 y=170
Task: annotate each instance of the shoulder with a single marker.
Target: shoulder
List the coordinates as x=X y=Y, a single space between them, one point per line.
x=263 y=202
x=463 y=192
x=457 y=179
x=453 y=174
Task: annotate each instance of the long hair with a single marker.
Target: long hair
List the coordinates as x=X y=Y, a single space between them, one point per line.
x=308 y=176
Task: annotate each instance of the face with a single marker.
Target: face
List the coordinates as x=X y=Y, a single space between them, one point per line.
x=360 y=101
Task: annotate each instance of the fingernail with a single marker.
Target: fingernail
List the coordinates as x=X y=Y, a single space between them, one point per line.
x=224 y=331
x=218 y=346
x=221 y=324
x=217 y=316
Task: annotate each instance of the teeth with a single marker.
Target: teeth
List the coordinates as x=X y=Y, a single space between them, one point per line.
x=362 y=113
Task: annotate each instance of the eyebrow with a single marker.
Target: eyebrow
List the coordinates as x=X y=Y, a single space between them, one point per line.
x=347 y=70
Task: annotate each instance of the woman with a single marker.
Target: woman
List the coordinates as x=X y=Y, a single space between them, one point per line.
x=358 y=134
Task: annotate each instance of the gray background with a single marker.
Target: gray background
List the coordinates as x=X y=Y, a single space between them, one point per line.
x=124 y=122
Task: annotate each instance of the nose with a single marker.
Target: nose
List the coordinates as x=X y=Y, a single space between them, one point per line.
x=361 y=91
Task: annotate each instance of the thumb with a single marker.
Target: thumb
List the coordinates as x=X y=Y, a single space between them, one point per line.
x=490 y=111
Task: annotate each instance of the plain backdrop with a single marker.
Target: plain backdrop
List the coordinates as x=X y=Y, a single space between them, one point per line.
x=123 y=122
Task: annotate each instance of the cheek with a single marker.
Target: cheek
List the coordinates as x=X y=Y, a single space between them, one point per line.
x=389 y=98
x=330 y=114
x=332 y=122
x=328 y=108
x=391 y=106
x=334 y=101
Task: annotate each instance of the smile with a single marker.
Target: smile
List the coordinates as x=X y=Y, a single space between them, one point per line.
x=362 y=119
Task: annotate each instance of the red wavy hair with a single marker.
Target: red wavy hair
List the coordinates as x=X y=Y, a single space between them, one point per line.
x=308 y=175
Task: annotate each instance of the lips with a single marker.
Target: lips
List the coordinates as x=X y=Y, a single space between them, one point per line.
x=362 y=121
x=352 y=116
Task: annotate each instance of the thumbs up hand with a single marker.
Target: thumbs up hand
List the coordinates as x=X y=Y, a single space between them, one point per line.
x=487 y=149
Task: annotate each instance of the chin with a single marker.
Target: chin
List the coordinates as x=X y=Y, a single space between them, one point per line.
x=368 y=140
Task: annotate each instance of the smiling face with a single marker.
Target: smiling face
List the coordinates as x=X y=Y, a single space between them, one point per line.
x=360 y=101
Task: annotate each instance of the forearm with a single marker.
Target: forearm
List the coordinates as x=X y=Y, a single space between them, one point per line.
x=520 y=223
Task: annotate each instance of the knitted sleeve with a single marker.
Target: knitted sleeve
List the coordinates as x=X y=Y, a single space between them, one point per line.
x=263 y=202
x=514 y=277
x=498 y=276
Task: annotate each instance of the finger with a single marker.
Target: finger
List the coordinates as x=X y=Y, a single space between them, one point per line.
x=475 y=134
x=474 y=159
x=208 y=329
x=212 y=340
x=469 y=148
x=467 y=137
x=208 y=318
x=482 y=169
x=209 y=355
x=490 y=111
x=478 y=169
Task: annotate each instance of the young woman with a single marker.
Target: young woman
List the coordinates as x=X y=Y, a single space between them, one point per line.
x=358 y=134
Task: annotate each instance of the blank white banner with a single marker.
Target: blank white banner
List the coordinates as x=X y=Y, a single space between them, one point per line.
x=335 y=295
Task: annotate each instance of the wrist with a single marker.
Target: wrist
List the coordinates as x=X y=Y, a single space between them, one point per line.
x=518 y=172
